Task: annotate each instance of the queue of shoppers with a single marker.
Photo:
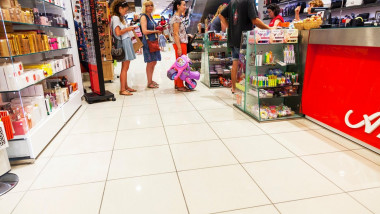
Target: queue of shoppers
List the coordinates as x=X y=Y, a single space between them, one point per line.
x=237 y=16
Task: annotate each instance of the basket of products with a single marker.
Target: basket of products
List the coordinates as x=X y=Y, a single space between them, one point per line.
x=298 y=25
x=313 y=22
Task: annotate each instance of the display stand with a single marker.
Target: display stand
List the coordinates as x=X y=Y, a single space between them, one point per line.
x=7 y=180
x=196 y=54
x=268 y=87
x=217 y=61
x=41 y=84
x=92 y=9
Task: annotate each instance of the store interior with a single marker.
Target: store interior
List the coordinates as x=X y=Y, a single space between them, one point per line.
x=294 y=130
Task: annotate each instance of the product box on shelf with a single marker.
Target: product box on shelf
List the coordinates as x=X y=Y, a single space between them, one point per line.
x=277 y=36
x=262 y=36
x=291 y=36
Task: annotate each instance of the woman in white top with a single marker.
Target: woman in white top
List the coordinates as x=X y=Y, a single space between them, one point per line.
x=122 y=31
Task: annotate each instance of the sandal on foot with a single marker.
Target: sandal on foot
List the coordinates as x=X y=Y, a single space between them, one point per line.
x=183 y=89
x=152 y=85
x=125 y=93
x=131 y=90
x=155 y=83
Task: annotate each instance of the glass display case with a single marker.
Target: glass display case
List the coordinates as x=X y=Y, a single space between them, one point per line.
x=269 y=81
x=196 y=55
x=40 y=80
x=217 y=61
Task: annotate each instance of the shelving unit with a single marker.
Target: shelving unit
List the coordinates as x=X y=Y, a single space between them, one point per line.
x=336 y=12
x=40 y=128
x=217 y=60
x=42 y=52
x=268 y=92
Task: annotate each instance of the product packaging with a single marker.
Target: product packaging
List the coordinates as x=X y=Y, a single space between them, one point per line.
x=291 y=36
x=277 y=36
x=262 y=36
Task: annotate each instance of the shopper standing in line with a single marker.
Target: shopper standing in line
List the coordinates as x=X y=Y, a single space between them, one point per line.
x=178 y=31
x=148 y=26
x=241 y=15
x=122 y=31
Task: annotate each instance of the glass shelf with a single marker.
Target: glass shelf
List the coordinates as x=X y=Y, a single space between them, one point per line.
x=21 y=23
x=255 y=96
x=262 y=87
x=6 y=57
x=271 y=65
x=50 y=4
x=38 y=81
x=278 y=118
x=268 y=44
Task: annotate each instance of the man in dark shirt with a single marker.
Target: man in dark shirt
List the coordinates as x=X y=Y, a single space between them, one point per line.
x=241 y=15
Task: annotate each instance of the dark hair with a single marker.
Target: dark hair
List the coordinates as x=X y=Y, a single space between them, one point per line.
x=275 y=8
x=115 y=8
x=177 y=3
x=163 y=17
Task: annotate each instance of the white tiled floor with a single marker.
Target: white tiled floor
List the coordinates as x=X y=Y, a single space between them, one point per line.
x=164 y=152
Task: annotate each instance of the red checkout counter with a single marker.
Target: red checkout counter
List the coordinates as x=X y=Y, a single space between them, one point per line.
x=342 y=82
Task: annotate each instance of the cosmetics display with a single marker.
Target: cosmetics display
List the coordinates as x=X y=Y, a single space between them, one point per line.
x=26 y=75
x=22 y=43
x=13 y=12
x=218 y=61
x=270 y=112
x=36 y=103
x=269 y=83
x=278 y=36
x=40 y=81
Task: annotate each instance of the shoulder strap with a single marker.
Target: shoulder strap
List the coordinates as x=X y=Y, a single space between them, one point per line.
x=113 y=35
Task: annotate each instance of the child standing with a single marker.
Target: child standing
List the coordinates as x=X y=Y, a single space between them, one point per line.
x=162 y=41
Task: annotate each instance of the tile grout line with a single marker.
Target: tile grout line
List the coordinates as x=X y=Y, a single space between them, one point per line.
x=320 y=173
x=43 y=168
x=305 y=163
x=171 y=153
x=239 y=162
x=110 y=161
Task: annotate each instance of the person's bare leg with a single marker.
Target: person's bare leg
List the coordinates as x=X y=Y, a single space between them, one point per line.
x=235 y=66
x=149 y=73
x=153 y=67
x=123 y=75
x=123 y=79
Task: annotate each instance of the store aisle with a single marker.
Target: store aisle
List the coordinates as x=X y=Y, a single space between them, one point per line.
x=165 y=152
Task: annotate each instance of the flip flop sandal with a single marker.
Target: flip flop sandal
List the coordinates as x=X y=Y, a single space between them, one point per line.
x=183 y=89
x=131 y=90
x=152 y=86
x=125 y=93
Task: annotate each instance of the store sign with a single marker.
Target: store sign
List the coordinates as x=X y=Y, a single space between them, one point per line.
x=367 y=122
x=156 y=16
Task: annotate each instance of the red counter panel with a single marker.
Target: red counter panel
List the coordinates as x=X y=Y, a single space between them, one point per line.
x=341 y=79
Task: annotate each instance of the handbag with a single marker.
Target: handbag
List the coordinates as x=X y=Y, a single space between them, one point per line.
x=153 y=45
x=190 y=46
x=118 y=54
